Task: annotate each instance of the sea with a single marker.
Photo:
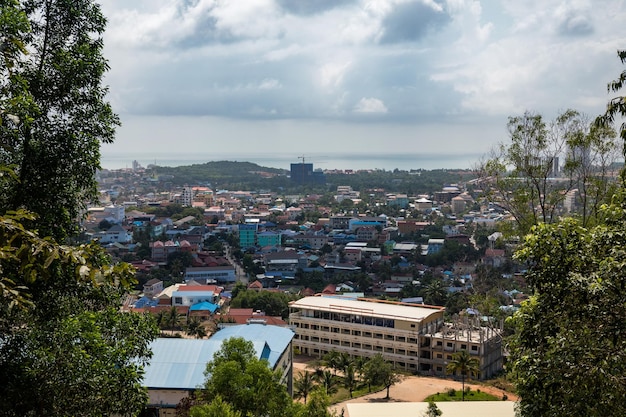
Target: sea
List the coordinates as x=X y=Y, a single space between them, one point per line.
x=325 y=161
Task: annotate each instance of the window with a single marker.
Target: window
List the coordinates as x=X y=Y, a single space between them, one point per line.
x=438 y=342
x=439 y=356
x=412 y=326
x=178 y=300
x=464 y=347
x=474 y=348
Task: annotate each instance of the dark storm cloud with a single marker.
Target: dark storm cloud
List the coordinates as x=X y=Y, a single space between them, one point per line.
x=409 y=22
x=311 y=7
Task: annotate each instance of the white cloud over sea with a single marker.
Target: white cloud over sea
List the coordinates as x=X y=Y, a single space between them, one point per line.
x=395 y=76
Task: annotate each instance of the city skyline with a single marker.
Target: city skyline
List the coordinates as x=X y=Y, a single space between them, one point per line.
x=420 y=77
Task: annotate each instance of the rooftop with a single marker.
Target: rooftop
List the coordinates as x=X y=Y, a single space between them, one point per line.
x=391 y=310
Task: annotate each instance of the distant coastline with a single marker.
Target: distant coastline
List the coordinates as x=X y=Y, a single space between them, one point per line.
x=324 y=161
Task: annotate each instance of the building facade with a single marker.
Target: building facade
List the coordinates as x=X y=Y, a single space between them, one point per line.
x=412 y=337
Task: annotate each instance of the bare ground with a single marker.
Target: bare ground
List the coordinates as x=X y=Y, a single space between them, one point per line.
x=411 y=389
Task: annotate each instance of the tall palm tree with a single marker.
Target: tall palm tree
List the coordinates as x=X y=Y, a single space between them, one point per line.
x=349 y=378
x=332 y=360
x=195 y=328
x=328 y=381
x=465 y=364
x=173 y=318
x=303 y=385
x=343 y=361
x=435 y=293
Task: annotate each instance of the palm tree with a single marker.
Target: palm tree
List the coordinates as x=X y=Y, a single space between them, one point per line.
x=343 y=361
x=328 y=381
x=349 y=378
x=465 y=364
x=195 y=328
x=332 y=360
x=303 y=385
x=173 y=318
x=161 y=319
x=435 y=293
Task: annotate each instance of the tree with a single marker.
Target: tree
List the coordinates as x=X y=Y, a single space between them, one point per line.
x=237 y=376
x=66 y=348
x=435 y=292
x=303 y=384
x=432 y=410
x=328 y=381
x=568 y=345
x=195 y=328
x=380 y=372
x=349 y=379
x=216 y=408
x=617 y=105
x=465 y=364
x=53 y=142
x=522 y=175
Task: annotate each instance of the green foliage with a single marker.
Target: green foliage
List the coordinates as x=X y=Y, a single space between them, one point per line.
x=54 y=147
x=245 y=382
x=521 y=175
x=272 y=303
x=464 y=364
x=432 y=410
x=459 y=395
x=66 y=348
x=377 y=371
x=570 y=338
x=617 y=105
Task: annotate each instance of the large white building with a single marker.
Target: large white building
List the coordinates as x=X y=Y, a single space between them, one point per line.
x=412 y=337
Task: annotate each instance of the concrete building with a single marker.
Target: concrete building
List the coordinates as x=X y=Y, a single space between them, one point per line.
x=210 y=274
x=412 y=337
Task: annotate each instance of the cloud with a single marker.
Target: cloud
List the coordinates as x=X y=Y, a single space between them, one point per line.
x=412 y=21
x=310 y=7
x=573 y=20
x=370 y=105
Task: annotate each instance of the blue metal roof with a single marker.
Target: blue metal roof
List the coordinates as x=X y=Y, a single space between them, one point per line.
x=180 y=363
x=204 y=306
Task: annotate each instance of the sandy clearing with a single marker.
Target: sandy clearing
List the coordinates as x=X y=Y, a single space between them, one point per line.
x=411 y=389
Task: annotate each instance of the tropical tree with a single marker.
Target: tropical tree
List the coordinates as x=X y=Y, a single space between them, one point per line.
x=463 y=363
x=617 y=105
x=521 y=175
x=435 y=293
x=331 y=360
x=195 y=328
x=569 y=338
x=52 y=139
x=349 y=379
x=173 y=319
x=328 y=381
x=303 y=384
x=432 y=410
x=66 y=348
x=236 y=376
x=380 y=372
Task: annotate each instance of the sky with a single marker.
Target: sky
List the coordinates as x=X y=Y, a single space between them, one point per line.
x=256 y=78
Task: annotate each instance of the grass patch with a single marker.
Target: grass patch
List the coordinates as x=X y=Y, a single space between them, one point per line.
x=457 y=395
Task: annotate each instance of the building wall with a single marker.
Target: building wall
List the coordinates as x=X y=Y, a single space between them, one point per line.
x=414 y=346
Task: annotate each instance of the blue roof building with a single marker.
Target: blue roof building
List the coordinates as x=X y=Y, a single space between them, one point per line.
x=177 y=365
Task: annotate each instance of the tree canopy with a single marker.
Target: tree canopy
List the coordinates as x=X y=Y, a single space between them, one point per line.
x=65 y=346
x=570 y=340
x=52 y=85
